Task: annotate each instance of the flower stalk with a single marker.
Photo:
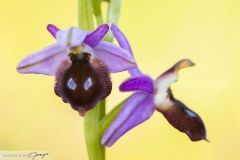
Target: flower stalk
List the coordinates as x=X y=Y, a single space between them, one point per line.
x=92 y=126
x=96 y=121
x=114 y=7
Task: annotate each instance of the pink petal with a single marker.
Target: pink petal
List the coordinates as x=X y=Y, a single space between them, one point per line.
x=116 y=58
x=44 y=61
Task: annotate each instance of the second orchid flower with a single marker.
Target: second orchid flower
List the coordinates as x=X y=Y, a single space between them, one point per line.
x=150 y=95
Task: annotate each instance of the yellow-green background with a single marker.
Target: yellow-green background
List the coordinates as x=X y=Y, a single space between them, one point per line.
x=161 y=32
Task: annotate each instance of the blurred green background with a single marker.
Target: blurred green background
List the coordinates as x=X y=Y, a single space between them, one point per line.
x=161 y=32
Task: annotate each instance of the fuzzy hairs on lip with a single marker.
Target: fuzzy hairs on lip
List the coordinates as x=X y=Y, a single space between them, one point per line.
x=82 y=81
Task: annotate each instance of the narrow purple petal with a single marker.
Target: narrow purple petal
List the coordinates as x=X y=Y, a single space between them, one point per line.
x=71 y=37
x=52 y=29
x=44 y=61
x=138 y=108
x=123 y=42
x=120 y=37
x=116 y=58
x=96 y=36
x=140 y=83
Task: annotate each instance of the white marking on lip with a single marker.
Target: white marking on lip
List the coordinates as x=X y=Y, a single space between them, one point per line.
x=162 y=85
x=88 y=83
x=71 y=84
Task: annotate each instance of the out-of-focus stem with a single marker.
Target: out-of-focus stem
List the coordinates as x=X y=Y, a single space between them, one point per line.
x=114 y=8
x=85 y=15
x=96 y=5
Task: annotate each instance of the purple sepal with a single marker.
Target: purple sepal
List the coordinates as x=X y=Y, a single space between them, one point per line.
x=138 y=108
x=140 y=83
x=123 y=43
x=120 y=37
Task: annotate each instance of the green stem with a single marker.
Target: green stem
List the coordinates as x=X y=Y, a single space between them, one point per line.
x=99 y=19
x=85 y=16
x=96 y=4
x=92 y=126
x=109 y=118
x=114 y=11
x=114 y=8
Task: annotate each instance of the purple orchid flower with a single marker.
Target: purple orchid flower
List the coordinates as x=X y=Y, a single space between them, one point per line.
x=149 y=96
x=81 y=63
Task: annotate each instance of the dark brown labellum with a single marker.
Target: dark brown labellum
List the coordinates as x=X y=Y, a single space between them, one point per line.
x=82 y=82
x=183 y=119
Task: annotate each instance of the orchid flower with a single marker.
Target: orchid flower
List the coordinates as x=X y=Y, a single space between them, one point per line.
x=81 y=63
x=150 y=95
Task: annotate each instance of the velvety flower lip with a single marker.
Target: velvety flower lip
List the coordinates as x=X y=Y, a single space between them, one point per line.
x=150 y=95
x=49 y=58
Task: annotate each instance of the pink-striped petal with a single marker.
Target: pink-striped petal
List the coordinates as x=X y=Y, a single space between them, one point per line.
x=44 y=61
